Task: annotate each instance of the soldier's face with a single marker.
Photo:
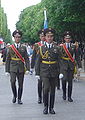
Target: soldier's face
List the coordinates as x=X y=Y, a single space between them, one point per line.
x=42 y=37
x=17 y=38
x=49 y=37
x=67 y=39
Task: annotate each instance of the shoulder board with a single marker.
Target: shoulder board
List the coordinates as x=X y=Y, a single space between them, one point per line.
x=40 y=44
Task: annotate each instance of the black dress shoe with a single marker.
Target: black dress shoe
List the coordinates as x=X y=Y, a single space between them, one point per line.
x=39 y=101
x=45 y=111
x=20 y=102
x=51 y=111
x=64 y=97
x=70 y=99
x=14 y=100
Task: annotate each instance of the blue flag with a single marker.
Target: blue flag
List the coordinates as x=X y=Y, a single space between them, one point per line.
x=45 y=21
x=45 y=24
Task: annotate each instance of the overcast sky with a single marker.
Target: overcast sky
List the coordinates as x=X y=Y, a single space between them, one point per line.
x=13 y=9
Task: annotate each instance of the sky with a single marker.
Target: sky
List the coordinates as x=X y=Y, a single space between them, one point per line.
x=13 y=8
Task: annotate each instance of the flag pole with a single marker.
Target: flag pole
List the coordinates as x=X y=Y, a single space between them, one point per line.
x=45 y=14
x=45 y=19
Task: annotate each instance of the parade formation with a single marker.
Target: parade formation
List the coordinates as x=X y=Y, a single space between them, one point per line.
x=50 y=62
x=42 y=60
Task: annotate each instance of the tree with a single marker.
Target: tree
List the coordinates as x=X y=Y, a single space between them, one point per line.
x=62 y=15
x=4 y=31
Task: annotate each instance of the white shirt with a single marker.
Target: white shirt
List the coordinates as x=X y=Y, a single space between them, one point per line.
x=67 y=45
x=17 y=44
x=42 y=42
x=49 y=45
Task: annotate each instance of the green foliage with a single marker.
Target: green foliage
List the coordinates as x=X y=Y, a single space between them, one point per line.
x=4 y=31
x=62 y=15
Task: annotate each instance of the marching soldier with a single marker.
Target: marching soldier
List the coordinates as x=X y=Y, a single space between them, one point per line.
x=47 y=69
x=67 y=65
x=33 y=60
x=16 y=61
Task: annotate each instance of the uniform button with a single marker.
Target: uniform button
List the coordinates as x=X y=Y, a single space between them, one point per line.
x=49 y=65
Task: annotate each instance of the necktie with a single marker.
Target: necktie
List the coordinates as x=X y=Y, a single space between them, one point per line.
x=17 y=46
x=68 y=45
x=49 y=46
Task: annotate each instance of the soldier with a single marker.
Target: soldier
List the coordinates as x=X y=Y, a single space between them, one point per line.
x=33 y=60
x=17 y=58
x=47 y=69
x=67 y=65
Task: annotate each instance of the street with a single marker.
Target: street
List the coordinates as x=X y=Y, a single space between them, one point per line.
x=31 y=110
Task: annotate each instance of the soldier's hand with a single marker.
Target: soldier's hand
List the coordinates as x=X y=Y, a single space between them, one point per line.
x=37 y=76
x=27 y=72
x=7 y=73
x=79 y=69
x=60 y=76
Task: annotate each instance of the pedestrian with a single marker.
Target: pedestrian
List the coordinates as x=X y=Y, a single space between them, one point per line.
x=16 y=61
x=47 y=69
x=84 y=57
x=67 y=64
x=33 y=61
x=4 y=52
x=78 y=58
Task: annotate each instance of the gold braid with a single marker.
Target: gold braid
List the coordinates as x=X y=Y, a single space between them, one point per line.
x=44 y=56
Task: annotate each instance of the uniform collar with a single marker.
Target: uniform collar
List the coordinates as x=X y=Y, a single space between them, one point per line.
x=49 y=44
x=17 y=44
x=42 y=42
x=68 y=44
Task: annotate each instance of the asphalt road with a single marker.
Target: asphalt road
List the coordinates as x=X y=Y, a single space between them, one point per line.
x=31 y=110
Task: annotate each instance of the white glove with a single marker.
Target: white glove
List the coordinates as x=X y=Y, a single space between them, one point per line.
x=31 y=71
x=60 y=76
x=37 y=76
x=79 y=69
x=7 y=73
x=27 y=72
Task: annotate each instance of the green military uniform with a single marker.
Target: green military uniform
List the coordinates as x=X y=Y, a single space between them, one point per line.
x=58 y=80
x=33 y=61
x=47 y=69
x=16 y=68
x=67 y=68
x=13 y=62
x=35 y=52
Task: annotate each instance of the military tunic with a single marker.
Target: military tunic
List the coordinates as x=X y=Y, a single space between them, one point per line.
x=67 y=68
x=16 y=69
x=35 y=51
x=33 y=62
x=47 y=69
x=16 y=64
